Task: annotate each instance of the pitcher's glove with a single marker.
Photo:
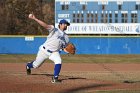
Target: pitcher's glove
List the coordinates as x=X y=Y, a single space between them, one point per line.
x=70 y=48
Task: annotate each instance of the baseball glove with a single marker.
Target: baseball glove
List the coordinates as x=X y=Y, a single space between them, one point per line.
x=70 y=48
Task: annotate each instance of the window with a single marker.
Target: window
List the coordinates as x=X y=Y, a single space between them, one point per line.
x=96 y=18
x=104 y=18
x=78 y=21
x=119 y=7
x=110 y=18
x=78 y=15
x=124 y=18
x=88 y=21
x=73 y=15
x=116 y=20
x=88 y=15
x=82 y=15
x=83 y=7
x=116 y=17
x=102 y=15
x=92 y=18
x=65 y=7
x=136 y=7
x=122 y=15
x=92 y=15
x=134 y=18
x=82 y=20
x=103 y=7
x=73 y=20
x=110 y=15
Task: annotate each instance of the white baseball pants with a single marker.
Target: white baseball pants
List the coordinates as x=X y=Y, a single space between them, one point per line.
x=43 y=54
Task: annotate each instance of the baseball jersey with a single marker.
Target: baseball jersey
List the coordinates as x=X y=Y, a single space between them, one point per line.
x=56 y=39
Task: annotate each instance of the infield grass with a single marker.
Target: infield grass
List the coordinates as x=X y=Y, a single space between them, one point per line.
x=75 y=58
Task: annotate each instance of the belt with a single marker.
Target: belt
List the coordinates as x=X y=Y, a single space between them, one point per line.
x=47 y=50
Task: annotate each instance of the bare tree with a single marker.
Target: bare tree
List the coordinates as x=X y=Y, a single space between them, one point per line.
x=14 y=16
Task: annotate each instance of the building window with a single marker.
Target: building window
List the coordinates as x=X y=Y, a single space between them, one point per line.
x=124 y=18
x=110 y=15
x=74 y=15
x=110 y=18
x=134 y=18
x=65 y=7
x=83 y=7
x=96 y=18
x=92 y=15
x=78 y=15
x=73 y=20
x=116 y=20
x=82 y=15
x=88 y=15
x=88 y=21
x=104 y=18
x=92 y=18
x=116 y=17
x=136 y=7
x=78 y=21
x=119 y=7
x=82 y=20
x=103 y=7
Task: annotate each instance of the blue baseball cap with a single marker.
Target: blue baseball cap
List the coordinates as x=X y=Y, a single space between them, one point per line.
x=63 y=21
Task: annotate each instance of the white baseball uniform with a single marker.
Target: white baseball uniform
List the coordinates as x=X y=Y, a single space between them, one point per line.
x=56 y=40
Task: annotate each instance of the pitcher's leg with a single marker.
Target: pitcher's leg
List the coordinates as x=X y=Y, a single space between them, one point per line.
x=55 y=57
x=41 y=56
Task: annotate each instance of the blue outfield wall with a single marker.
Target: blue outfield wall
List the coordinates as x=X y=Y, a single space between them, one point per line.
x=84 y=45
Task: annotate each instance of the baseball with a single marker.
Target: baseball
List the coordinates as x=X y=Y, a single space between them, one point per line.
x=30 y=15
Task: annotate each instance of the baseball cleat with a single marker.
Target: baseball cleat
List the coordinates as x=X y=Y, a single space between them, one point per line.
x=28 y=70
x=55 y=80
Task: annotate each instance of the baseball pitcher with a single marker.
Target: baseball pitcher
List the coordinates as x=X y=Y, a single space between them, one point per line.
x=56 y=40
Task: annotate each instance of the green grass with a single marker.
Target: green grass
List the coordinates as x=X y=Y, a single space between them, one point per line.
x=102 y=58
x=76 y=58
